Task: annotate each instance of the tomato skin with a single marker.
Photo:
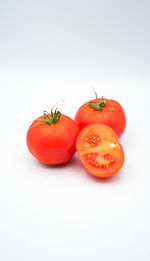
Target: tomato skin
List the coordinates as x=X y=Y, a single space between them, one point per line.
x=53 y=144
x=112 y=114
x=99 y=151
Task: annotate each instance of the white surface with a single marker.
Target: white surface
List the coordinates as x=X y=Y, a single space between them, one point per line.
x=59 y=50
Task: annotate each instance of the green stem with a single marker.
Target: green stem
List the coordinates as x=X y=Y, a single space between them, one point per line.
x=96 y=104
x=50 y=118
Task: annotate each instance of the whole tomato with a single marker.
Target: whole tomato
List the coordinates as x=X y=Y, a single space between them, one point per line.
x=101 y=110
x=51 y=138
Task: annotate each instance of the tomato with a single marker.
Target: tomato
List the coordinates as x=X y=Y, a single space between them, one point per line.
x=99 y=151
x=104 y=111
x=51 y=138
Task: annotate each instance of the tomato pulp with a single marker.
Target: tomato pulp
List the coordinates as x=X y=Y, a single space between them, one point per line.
x=52 y=144
x=99 y=151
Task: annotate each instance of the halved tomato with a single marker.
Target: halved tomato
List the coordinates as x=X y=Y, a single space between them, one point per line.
x=99 y=151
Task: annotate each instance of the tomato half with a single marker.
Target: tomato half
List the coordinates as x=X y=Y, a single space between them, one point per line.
x=111 y=114
x=52 y=144
x=99 y=151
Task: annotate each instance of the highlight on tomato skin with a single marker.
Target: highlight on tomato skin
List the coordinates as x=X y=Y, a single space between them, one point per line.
x=51 y=138
x=99 y=151
x=101 y=110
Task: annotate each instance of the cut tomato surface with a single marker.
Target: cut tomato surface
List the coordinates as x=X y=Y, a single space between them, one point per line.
x=99 y=151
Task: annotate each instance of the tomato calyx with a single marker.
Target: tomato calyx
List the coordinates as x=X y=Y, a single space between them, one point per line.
x=96 y=104
x=50 y=118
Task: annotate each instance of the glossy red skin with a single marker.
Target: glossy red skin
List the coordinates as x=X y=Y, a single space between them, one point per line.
x=112 y=114
x=53 y=144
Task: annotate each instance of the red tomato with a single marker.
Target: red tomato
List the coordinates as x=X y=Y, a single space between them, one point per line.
x=104 y=111
x=52 y=143
x=99 y=150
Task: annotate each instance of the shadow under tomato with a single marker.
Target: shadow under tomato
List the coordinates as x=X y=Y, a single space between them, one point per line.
x=73 y=162
x=77 y=166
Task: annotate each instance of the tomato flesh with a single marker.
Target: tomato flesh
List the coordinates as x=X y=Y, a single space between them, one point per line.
x=99 y=151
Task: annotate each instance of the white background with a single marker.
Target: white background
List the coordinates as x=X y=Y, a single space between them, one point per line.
x=51 y=50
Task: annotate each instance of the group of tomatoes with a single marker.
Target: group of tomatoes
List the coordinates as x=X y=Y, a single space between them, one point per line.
x=54 y=137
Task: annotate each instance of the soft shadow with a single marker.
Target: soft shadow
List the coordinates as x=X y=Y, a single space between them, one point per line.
x=77 y=166
x=124 y=139
x=73 y=162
